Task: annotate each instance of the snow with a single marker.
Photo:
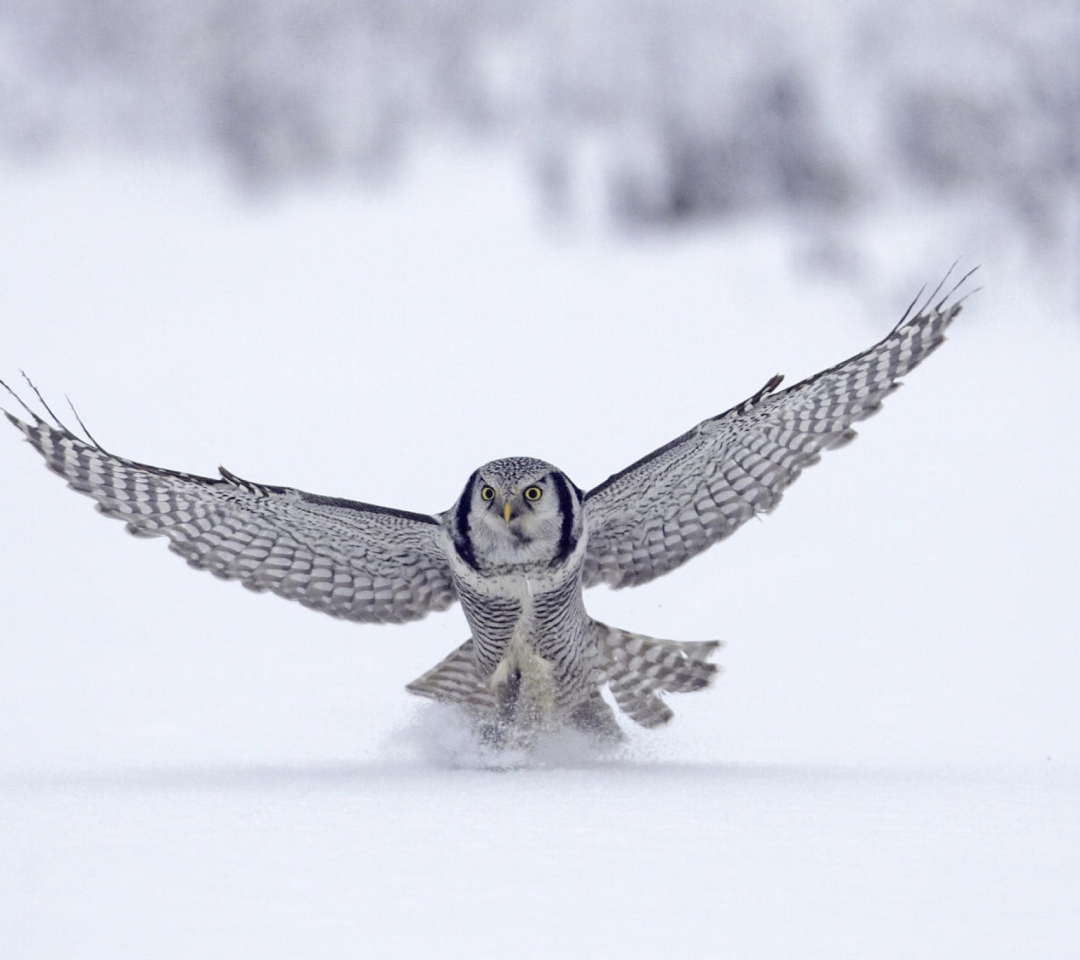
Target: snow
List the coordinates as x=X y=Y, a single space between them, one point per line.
x=889 y=765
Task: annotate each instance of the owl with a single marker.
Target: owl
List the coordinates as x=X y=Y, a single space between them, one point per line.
x=519 y=546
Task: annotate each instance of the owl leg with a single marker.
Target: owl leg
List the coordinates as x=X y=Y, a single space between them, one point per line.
x=595 y=717
x=518 y=719
x=504 y=715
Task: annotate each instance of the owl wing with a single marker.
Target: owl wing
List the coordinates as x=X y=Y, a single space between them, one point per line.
x=351 y=560
x=700 y=488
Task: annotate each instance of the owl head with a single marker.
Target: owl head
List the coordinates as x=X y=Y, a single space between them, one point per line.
x=518 y=510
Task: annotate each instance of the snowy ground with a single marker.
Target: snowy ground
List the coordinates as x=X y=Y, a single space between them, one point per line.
x=889 y=766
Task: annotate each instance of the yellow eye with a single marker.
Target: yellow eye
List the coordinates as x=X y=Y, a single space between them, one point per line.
x=532 y=494
x=487 y=493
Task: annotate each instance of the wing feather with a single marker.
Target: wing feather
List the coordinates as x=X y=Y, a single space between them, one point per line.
x=351 y=560
x=701 y=487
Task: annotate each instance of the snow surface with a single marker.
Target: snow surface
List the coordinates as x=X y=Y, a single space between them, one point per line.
x=889 y=766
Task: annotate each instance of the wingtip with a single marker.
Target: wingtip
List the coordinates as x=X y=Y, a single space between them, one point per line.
x=37 y=393
x=19 y=400
x=958 y=303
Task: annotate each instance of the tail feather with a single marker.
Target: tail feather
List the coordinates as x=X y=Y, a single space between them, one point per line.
x=640 y=668
x=455 y=680
x=637 y=669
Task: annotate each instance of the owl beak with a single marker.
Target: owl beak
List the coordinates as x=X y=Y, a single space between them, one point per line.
x=506 y=512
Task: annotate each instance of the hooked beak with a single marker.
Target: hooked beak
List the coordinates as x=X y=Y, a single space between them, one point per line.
x=506 y=512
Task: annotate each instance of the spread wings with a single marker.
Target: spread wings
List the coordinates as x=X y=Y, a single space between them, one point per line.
x=677 y=501
x=351 y=560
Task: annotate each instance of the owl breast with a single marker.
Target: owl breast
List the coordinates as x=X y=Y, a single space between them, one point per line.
x=528 y=625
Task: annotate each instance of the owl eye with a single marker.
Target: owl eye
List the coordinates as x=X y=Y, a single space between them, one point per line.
x=532 y=494
x=487 y=493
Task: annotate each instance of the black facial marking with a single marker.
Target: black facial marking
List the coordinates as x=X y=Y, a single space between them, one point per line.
x=567 y=540
x=463 y=539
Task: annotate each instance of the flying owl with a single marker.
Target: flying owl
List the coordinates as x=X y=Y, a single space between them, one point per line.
x=518 y=547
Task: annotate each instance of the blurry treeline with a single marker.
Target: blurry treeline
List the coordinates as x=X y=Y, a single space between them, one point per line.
x=669 y=110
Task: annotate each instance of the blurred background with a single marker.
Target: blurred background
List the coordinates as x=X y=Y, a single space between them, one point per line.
x=642 y=114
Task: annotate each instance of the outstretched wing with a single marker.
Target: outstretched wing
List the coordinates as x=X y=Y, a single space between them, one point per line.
x=677 y=501
x=351 y=560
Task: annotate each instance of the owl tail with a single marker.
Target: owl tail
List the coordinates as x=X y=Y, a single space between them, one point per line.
x=640 y=668
x=454 y=680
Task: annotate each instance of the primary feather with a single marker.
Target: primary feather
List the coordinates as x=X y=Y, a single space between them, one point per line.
x=682 y=498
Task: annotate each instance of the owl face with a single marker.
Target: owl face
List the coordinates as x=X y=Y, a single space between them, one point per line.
x=518 y=511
